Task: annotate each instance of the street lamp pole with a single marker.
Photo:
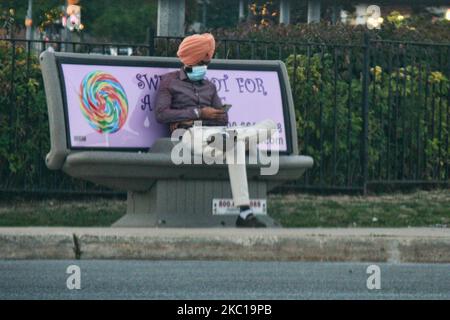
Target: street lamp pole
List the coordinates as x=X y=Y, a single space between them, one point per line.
x=67 y=35
x=204 y=8
x=29 y=21
x=241 y=10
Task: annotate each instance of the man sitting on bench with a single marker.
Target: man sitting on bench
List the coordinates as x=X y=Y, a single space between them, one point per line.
x=184 y=96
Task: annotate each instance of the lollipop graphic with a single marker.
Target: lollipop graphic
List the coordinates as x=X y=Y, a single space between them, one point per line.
x=103 y=102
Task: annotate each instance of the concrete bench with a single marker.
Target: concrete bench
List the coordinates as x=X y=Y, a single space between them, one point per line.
x=131 y=152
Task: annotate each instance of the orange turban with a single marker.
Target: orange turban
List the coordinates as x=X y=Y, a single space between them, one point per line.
x=196 y=48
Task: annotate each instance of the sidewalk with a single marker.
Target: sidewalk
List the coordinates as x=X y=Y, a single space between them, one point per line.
x=412 y=245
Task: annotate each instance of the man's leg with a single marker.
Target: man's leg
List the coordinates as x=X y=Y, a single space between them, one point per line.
x=238 y=171
x=247 y=133
x=238 y=174
x=197 y=139
x=239 y=186
x=235 y=155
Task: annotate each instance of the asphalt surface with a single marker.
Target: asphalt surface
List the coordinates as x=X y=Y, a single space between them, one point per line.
x=119 y=279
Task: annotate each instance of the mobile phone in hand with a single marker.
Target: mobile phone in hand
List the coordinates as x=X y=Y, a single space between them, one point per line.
x=226 y=107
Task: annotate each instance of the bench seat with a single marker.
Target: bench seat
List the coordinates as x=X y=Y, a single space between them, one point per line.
x=137 y=171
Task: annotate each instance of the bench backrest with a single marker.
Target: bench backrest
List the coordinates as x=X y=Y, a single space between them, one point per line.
x=74 y=83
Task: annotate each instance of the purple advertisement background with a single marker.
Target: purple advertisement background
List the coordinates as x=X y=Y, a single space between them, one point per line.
x=255 y=96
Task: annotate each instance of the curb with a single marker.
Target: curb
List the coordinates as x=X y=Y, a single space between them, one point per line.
x=412 y=245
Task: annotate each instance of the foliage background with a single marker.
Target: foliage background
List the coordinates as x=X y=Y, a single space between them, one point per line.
x=24 y=135
x=408 y=99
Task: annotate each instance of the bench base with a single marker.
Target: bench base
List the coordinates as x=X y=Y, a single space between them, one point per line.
x=185 y=203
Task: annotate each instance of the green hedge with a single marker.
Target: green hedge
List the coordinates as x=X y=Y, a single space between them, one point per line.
x=405 y=104
x=419 y=28
x=24 y=135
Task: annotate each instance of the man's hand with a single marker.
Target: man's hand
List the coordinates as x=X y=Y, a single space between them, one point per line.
x=208 y=113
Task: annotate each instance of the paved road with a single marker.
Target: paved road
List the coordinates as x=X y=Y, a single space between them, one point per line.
x=220 y=280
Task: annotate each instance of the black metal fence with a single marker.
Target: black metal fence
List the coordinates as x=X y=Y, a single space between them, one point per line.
x=370 y=114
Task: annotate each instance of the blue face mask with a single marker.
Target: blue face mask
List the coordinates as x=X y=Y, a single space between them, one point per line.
x=198 y=73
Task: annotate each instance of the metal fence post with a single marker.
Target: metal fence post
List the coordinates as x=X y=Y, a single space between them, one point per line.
x=12 y=100
x=365 y=113
x=151 y=41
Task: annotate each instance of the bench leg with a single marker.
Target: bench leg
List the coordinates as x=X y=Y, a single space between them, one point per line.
x=141 y=210
x=185 y=203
